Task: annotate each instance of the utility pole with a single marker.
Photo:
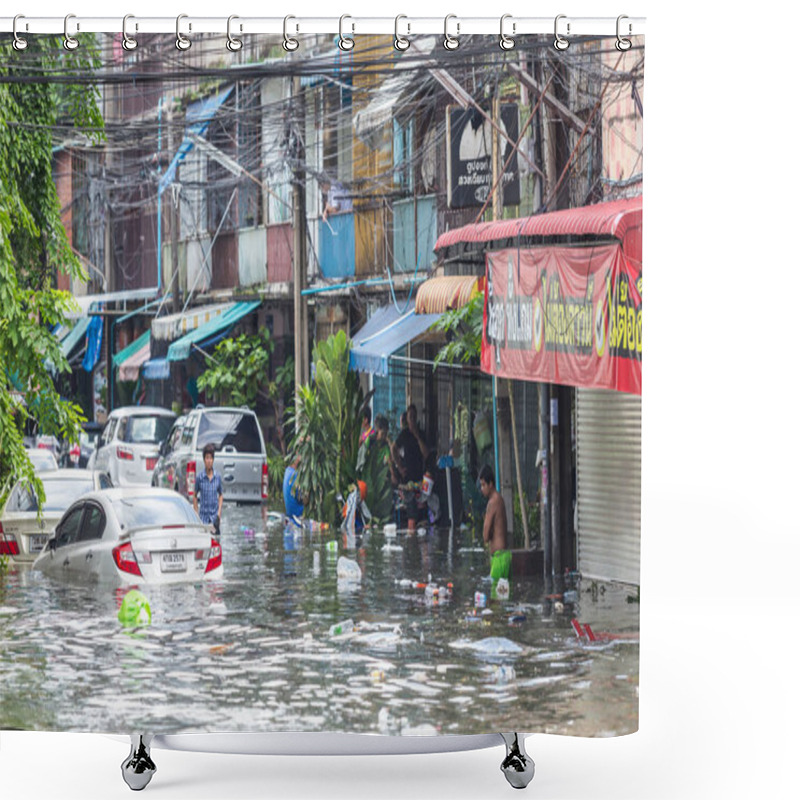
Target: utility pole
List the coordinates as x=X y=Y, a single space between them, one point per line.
x=299 y=229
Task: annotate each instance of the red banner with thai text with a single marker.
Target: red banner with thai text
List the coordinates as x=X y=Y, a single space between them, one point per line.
x=565 y=315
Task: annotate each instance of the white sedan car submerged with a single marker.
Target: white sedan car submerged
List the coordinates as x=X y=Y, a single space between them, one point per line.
x=132 y=536
x=22 y=533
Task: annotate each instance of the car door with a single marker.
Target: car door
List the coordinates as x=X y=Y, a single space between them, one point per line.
x=61 y=547
x=86 y=553
x=164 y=475
x=102 y=454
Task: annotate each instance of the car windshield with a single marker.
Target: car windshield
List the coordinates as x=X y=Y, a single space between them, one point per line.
x=134 y=512
x=42 y=460
x=229 y=429
x=152 y=429
x=59 y=494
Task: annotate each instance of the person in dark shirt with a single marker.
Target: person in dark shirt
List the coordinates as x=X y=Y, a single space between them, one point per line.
x=412 y=451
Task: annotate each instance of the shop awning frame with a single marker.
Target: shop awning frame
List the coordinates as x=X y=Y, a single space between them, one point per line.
x=384 y=333
x=182 y=348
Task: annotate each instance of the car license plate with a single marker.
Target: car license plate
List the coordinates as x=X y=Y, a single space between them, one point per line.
x=173 y=562
x=38 y=541
x=151 y=463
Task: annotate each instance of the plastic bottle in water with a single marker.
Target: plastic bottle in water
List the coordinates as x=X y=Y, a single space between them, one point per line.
x=405 y=583
x=341 y=627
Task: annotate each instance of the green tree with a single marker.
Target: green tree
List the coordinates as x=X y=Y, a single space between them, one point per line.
x=327 y=424
x=33 y=242
x=464 y=329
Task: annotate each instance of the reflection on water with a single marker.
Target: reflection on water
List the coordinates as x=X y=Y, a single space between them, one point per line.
x=259 y=650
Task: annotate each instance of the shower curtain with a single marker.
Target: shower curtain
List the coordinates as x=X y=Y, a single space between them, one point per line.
x=397 y=286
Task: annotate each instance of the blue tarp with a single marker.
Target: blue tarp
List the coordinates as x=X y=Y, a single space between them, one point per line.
x=385 y=332
x=156 y=369
x=94 y=342
x=75 y=336
x=181 y=349
x=337 y=245
x=198 y=118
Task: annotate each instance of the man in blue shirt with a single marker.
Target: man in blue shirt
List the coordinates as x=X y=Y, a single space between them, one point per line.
x=291 y=497
x=208 y=491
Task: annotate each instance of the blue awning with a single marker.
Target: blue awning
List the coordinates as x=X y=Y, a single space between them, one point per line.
x=385 y=332
x=156 y=369
x=180 y=350
x=198 y=117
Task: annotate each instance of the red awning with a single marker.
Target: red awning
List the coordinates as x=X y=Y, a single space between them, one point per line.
x=621 y=219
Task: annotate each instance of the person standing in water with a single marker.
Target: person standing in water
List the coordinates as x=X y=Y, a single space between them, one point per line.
x=495 y=528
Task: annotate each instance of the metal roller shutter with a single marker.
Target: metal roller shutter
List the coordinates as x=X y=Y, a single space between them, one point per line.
x=609 y=467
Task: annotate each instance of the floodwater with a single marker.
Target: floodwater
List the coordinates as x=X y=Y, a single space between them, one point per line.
x=254 y=651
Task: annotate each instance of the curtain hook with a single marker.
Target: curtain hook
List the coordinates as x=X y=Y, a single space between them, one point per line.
x=181 y=42
x=70 y=43
x=561 y=43
x=128 y=43
x=289 y=44
x=345 y=43
x=19 y=43
x=400 y=42
x=507 y=42
x=451 y=42
x=623 y=44
x=234 y=45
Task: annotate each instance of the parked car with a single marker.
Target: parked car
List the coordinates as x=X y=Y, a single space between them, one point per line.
x=80 y=452
x=126 y=536
x=129 y=445
x=240 y=458
x=49 y=444
x=42 y=460
x=22 y=535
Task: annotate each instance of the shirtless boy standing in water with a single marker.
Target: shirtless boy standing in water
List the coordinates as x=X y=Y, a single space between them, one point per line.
x=495 y=527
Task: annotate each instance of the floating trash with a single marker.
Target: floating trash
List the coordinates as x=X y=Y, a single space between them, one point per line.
x=348 y=570
x=135 y=610
x=492 y=646
x=503 y=589
x=390 y=530
x=341 y=628
x=392 y=548
x=479 y=600
x=504 y=673
x=517 y=619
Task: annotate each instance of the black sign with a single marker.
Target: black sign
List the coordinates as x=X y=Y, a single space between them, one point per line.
x=469 y=156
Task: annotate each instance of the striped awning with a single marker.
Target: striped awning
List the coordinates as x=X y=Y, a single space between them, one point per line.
x=445 y=293
x=174 y=326
x=615 y=219
x=130 y=360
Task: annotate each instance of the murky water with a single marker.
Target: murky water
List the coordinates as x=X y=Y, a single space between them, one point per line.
x=254 y=652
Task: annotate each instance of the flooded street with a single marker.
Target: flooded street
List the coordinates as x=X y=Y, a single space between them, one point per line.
x=256 y=650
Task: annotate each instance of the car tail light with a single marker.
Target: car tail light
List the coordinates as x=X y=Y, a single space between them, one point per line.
x=124 y=455
x=75 y=454
x=8 y=544
x=214 y=556
x=125 y=559
x=264 y=481
x=191 y=474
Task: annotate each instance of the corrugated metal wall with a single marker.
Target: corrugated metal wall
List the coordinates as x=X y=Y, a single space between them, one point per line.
x=414 y=240
x=280 y=252
x=609 y=467
x=252 y=256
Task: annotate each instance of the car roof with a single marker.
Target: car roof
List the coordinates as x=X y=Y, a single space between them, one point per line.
x=141 y=410
x=129 y=492
x=236 y=409
x=68 y=474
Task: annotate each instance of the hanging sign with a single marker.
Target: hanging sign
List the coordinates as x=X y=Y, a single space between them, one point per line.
x=469 y=156
x=565 y=315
